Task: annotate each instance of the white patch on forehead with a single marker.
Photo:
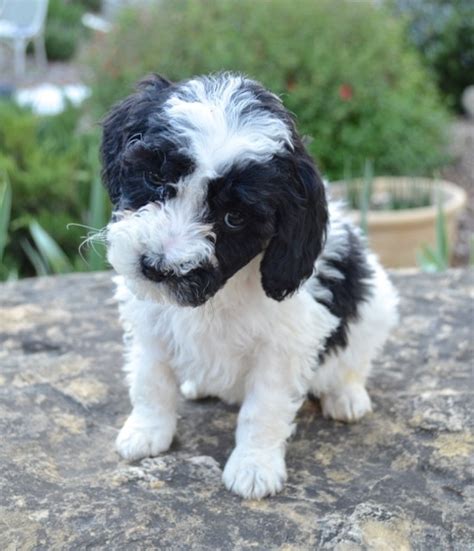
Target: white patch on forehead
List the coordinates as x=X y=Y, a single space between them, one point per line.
x=222 y=123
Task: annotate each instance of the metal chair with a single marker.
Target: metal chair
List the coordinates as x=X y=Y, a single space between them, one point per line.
x=21 y=22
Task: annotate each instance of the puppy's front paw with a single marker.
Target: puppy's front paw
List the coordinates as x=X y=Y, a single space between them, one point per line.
x=348 y=404
x=140 y=438
x=253 y=474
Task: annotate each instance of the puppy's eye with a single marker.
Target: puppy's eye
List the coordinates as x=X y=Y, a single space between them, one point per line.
x=153 y=178
x=234 y=220
x=161 y=191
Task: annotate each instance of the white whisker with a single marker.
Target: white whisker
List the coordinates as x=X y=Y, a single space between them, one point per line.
x=93 y=237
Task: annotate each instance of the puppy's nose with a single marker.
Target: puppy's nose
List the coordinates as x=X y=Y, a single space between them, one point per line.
x=152 y=270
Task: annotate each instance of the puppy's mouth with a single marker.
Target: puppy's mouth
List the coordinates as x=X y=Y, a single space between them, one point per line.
x=192 y=288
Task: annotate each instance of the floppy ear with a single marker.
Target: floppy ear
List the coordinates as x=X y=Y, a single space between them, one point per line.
x=302 y=218
x=124 y=121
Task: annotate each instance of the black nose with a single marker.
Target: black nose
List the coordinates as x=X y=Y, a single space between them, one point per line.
x=152 y=271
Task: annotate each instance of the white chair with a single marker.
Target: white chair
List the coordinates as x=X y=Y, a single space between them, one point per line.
x=21 y=22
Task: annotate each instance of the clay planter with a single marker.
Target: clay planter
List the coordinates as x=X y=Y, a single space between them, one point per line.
x=397 y=235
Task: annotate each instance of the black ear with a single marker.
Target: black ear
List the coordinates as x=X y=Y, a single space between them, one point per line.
x=302 y=218
x=126 y=121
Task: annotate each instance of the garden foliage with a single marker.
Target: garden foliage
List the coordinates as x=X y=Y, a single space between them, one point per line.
x=50 y=167
x=344 y=68
x=443 y=32
x=64 y=29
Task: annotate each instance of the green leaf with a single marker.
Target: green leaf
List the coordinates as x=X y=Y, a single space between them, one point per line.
x=425 y=265
x=5 y=212
x=97 y=218
x=437 y=259
x=441 y=232
x=41 y=268
x=366 y=195
x=97 y=203
x=50 y=252
x=428 y=258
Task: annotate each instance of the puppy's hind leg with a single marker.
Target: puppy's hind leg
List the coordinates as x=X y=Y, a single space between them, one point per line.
x=340 y=380
x=345 y=398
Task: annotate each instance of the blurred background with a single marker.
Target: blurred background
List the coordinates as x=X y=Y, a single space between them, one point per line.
x=382 y=91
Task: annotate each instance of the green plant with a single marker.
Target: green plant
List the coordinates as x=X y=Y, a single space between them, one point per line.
x=92 y=5
x=412 y=194
x=5 y=212
x=5 y=209
x=443 y=32
x=97 y=222
x=96 y=219
x=358 y=192
x=64 y=28
x=61 y=41
x=44 y=161
x=436 y=259
x=48 y=257
x=53 y=170
x=366 y=196
x=344 y=68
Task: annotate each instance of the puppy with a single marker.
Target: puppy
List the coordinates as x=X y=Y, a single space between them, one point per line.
x=235 y=278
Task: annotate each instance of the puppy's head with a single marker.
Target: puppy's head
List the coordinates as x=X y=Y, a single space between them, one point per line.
x=204 y=176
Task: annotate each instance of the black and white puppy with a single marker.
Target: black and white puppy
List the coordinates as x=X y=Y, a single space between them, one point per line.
x=236 y=280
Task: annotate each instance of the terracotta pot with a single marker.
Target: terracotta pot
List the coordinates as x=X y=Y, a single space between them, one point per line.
x=397 y=235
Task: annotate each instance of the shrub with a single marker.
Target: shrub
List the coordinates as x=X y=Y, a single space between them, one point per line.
x=61 y=41
x=343 y=68
x=51 y=168
x=443 y=32
x=92 y=5
x=64 y=28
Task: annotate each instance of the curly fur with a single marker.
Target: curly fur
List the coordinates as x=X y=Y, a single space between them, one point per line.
x=235 y=278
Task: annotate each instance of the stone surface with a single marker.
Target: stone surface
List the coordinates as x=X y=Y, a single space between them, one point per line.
x=398 y=480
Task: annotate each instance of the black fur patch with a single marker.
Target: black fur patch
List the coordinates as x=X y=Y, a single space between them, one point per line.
x=283 y=205
x=347 y=293
x=282 y=201
x=250 y=191
x=124 y=142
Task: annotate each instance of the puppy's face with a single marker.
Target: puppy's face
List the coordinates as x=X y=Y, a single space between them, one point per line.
x=205 y=175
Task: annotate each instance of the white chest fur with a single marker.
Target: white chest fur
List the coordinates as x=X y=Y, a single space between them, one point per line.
x=212 y=348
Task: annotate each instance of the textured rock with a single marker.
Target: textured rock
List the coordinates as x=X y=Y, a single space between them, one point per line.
x=400 y=479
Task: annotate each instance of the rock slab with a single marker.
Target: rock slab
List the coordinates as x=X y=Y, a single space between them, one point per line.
x=401 y=479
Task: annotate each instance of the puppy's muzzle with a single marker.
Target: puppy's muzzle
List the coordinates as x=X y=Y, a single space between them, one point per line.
x=157 y=271
x=154 y=271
